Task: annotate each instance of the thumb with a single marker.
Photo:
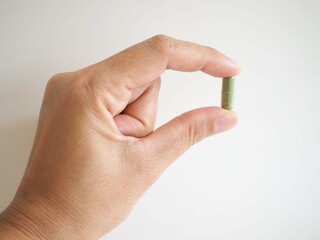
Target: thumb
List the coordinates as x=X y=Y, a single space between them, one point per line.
x=172 y=139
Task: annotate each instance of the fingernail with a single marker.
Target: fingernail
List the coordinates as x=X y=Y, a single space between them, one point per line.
x=225 y=121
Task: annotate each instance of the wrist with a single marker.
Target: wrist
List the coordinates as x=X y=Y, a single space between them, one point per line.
x=26 y=219
x=15 y=226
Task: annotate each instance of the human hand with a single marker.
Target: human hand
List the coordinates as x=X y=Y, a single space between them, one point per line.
x=96 y=152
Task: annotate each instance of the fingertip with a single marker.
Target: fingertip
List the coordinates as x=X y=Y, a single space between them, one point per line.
x=234 y=67
x=225 y=121
x=234 y=62
x=222 y=66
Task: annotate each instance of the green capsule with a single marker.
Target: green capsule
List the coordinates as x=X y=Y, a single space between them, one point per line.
x=227 y=93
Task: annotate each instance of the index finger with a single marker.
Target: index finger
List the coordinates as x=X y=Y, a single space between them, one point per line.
x=145 y=61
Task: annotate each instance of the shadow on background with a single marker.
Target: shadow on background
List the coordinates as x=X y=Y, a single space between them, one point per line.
x=15 y=145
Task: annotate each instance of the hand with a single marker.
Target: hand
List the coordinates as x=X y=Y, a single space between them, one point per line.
x=96 y=152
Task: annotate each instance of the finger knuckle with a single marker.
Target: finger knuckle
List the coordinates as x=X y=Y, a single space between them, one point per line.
x=160 y=42
x=64 y=87
x=55 y=81
x=195 y=130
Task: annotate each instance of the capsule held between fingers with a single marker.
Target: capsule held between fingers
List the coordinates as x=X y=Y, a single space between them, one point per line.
x=227 y=93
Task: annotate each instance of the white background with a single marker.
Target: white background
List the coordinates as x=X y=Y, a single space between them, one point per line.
x=258 y=181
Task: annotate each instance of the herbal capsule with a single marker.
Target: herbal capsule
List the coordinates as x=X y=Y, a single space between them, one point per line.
x=227 y=93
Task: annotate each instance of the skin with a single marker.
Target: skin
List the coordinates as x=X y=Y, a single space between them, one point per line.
x=96 y=151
